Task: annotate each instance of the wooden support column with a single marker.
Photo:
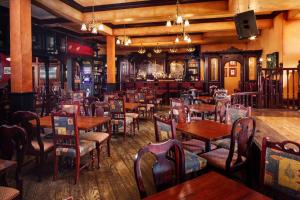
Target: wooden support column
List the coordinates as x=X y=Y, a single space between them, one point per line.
x=21 y=55
x=111 y=63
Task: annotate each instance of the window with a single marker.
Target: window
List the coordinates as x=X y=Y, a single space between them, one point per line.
x=252 y=68
x=214 y=69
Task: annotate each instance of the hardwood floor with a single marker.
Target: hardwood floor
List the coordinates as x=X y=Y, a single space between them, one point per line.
x=115 y=178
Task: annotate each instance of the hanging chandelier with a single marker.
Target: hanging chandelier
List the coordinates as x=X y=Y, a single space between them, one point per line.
x=142 y=50
x=179 y=20
x=157 y=50
x=173 y=49
x=123 y=40
x=93 y=26
x=191 y=49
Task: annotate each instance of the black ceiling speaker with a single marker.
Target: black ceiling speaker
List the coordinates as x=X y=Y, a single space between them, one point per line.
x=245 y=24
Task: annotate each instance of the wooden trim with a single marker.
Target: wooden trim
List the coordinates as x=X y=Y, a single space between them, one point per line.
x=128 y=5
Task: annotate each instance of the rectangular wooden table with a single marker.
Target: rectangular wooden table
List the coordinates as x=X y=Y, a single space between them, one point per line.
x=210 y=186
x=205 y=130
x=83 y=122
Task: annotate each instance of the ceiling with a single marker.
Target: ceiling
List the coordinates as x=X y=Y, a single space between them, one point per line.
x=144 y=20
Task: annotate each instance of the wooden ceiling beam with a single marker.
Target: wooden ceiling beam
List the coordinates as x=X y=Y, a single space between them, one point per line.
x=193 y=28
x=159 y=13
x=293 y=15
x=68 y=12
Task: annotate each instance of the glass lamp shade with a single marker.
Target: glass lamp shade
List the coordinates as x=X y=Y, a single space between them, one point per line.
x=179 y=19
x=169 y=24
x=177 y=40
x=186 y=23
x=94 y=30
x=189 y=40
x=101 y=27
x=83 y=27
x=186 y=37
x=118 y=42
x=129 y=41
x=252 y=37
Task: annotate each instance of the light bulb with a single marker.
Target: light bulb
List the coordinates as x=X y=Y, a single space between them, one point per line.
x=118 y=42
x=94 y=30
x=126 y=43
x=169 y=24
x=101 y=27
x=129 y=41
x=177 y=40
x=186 y=37
x=189 y=40
x=83 y=27
x=252 y=37
x=186 y=23
x=179 y=19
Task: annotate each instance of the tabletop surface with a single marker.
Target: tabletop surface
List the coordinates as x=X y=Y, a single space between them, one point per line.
x=202 y=107
x=6 y=164
x=131 y=106
x=211 y=185
x=205 y=129
x=204 y=97
x=83 y=122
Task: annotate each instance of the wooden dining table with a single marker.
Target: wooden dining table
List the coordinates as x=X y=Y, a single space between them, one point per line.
x=210 y=186
x=204 y=99
x=131 y=106
x=83 y=122
x=205 y=130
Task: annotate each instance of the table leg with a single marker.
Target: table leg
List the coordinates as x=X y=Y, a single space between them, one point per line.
x=207 y=146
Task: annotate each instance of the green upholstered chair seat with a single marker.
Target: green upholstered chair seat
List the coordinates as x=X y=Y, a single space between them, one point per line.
x=193 y=162
x=84 y=147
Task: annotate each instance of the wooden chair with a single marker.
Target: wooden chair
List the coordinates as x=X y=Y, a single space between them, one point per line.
x=36 y=145
x=118 y=114
x=165 y=129
x=279 y=175
x=87 y=104
x=232 y=160
x=145 y=108
x=176 y=102
x=78 y=96
x=98 y=136
x=232 y=113
x=166 y=172
x=67 y=143
x=12 y=142
x=180 y=115
x=71 y=108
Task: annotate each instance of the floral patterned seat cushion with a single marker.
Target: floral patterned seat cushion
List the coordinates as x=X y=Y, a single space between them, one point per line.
x=164 y=131
x=84 y=147
x=8 y=193
x=196 y=146
x=193 y=162
x=217 y=158
x=282 y=172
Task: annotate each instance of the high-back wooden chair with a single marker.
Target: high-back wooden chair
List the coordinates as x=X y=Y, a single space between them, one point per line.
x=67 y=143
x=165 y=128
x=280 y=166
x=71 y=108
x=87 y=104
x=242 y=133
x=12 y=144
x=166 y=172
x=118 y=114
x=220 y=110
x=36 y=145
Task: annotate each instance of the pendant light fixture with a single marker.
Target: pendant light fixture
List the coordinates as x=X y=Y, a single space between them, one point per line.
x=179 y=19
x=93 y=26
x=124 y=40
x=142 y=50
x=157 y=50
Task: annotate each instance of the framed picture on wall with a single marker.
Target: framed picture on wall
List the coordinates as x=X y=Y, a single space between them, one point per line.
x=232 y=63
x=232 y=72
x=272 y=60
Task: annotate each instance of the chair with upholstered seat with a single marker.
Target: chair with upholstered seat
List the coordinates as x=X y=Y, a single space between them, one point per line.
x=232 y=113
x=242 y=135
x=118 y=115
x=71 y=108
x=67 y=143
x=12 y=145
x=165 y=129
x=36 y=145
x=98 y=136
x=180 y=115
x=166 y=172
x=280 y=166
